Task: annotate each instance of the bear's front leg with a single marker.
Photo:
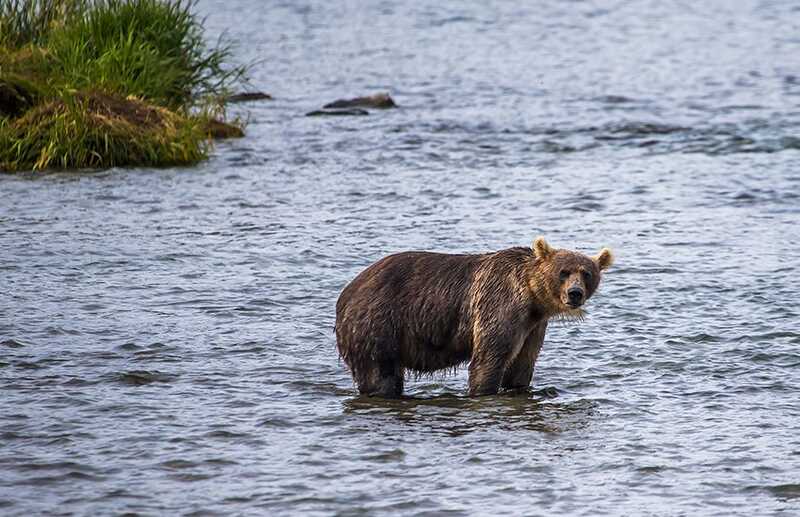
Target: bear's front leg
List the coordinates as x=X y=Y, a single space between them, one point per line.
x=488 y=364
x=519 y=373
x=485 y=379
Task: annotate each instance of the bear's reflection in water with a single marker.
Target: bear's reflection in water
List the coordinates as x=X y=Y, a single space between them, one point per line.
x=455 y=415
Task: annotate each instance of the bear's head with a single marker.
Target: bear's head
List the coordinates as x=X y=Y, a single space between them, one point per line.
x=563 y=280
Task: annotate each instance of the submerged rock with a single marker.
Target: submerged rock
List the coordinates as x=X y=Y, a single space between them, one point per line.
x=337 y=112
x=219 y=129
x=378 y=101
x=249 y=96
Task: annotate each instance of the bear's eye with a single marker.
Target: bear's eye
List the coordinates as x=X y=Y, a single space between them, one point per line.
x=587 y=276
x=563 y=275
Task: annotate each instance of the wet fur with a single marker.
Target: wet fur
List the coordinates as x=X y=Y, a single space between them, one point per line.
x=425 y=312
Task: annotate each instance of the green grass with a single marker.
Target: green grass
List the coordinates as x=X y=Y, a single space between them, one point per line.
x=148 y=48
x=96 y=130
x=24 y=22
x=75 y=73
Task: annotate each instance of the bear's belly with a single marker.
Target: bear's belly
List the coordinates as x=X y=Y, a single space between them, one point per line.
x=429 y=356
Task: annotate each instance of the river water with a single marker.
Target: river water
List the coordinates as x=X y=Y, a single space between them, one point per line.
x=166 y=335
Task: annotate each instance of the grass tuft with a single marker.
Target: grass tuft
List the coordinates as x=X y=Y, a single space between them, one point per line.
x=26 y=22
x=98 y=130
x=100 y=83
x=148 y=48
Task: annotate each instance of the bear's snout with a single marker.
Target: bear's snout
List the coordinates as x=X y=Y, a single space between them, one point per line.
x=575 y=297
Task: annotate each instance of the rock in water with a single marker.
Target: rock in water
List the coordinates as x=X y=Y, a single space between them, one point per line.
x=249 y=96
x=219 y=129
x=337 y=112
x=378 y=101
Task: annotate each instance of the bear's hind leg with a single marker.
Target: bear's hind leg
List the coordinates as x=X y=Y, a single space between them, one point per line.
x=384 y=379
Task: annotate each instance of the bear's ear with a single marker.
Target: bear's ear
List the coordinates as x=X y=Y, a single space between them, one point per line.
x=604 y=259
x=541 y=249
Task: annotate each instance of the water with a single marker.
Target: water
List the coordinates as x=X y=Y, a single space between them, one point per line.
x=166 y=335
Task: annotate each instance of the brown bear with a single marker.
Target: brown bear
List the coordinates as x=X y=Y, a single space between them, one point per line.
x=424 y=312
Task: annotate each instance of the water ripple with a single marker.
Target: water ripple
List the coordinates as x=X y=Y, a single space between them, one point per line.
x=166 y=336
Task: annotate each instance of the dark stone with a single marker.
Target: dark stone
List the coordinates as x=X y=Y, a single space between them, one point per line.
x=337 y=113
x=378 y=101
x=218 y=129
x=249 y=96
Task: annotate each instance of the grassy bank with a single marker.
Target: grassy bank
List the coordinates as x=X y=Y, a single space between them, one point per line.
x=99 y=83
